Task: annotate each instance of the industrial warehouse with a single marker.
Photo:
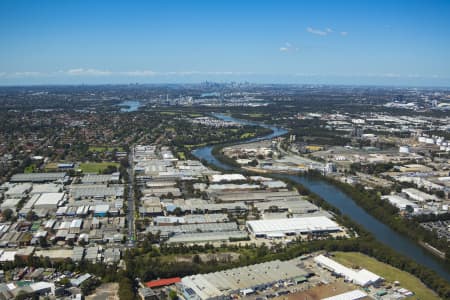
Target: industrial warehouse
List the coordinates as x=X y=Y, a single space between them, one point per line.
x=243 y=280
x=198 y=205
x=292 y=226
x=361 y=277
x=278 y=279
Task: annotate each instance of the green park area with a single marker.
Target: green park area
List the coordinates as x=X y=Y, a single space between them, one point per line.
x=105 y=148
x=247 y=135
x=257 y=115
x=30 y=169
x=95 y=167
x=389 y=273
x=195 y=115
x=168 y=113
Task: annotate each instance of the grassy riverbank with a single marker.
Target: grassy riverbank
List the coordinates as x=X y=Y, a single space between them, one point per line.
x=389 y=273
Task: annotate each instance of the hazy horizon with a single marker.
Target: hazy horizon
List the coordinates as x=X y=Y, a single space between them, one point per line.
x=395 y=43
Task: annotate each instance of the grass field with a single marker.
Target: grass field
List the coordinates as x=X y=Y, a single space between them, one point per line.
x=195 y=146
x=168 y=113
x=30 y=169
x=247 y=135
x=256 y=115
x=389 y=273
x=181 y=155
x=104 y=148
x=96 y=167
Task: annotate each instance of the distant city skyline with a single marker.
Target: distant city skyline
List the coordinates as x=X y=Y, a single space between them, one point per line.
x=384 y=42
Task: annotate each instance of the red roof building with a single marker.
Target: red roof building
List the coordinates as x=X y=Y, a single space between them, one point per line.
x=162 y=282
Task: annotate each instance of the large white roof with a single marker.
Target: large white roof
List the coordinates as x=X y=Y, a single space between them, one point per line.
x=221 y=283
x=101 y=208
x=8 y=256
x=361 y=277
x=399 y=202
x=302 y=224
x=352 y=295
x=76 y=223
x=10 y=203
x=227 y=177
x=418 y=195
x=42 y=285
x=46 y=188
x=49 y=199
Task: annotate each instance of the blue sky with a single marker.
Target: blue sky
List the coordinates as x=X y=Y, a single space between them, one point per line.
x=336 y=42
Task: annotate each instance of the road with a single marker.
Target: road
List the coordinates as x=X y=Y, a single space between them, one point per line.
x=130 y=204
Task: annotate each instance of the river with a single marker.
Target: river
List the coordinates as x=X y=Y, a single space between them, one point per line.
x=344 y=203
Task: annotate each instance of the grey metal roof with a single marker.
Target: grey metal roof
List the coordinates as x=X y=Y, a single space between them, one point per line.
x=37 y=177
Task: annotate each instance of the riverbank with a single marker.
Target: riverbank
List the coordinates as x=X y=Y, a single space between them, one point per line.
x=406 y=248
x=433 y=250
x=371 y=202
x=363 y=241
x=389 y=273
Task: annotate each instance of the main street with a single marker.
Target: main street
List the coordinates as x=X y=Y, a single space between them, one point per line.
x=130 y=204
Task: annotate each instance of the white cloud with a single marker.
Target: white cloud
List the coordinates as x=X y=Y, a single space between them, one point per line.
x=319 y=31
x=391 y=75
x=139 y=73
x=88 y=72
x=179 y=73
x=186 y=73
x=91 y=72
x=26 y=74
x=97 y=72
x=324 y=32
x=288 y=47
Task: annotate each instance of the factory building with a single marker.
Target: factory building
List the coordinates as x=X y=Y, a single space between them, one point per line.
x=39 y=177
x=419 y=196
x=277 y=228
x=401 y=202
x=244 y=280
x=361 y=277
x=49 y=201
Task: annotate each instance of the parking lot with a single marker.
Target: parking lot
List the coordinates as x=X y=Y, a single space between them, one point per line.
x=441 y=227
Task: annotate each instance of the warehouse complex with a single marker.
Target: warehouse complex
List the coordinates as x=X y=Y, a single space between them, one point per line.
x=244 y=280
x=361 y=277
x=186 y=202
x=277 y=279
x=292 y=226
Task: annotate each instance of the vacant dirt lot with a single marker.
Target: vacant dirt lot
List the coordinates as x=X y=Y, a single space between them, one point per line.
x=320 y=292
x=107 y=291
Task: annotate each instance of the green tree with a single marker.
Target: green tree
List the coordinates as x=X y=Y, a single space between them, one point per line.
x=173 y=295
x=31 y=216
x=8 y=214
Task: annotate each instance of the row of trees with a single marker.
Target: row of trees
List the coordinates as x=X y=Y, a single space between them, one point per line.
x=366 y=243
x=152 y=266
x=371 y=202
